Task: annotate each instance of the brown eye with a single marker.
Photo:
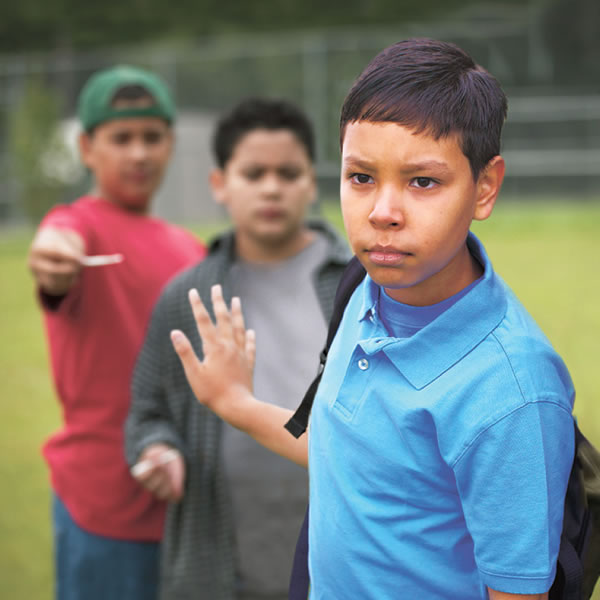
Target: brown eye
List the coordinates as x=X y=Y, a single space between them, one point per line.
x=424 y=183
x=122 y=137
x=253 y=174
x=361 y=178
x=289 y=173
x=153 y=137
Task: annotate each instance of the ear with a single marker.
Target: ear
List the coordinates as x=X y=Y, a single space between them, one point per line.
x=85 y=142
x=217 y=184
x=489 y=183
x=171 y=139
x=314 y=190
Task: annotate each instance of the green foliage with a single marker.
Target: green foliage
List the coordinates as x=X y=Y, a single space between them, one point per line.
x=546 y=252
x=567 y=31
x=32 y=137
x=71 y=24
x=571 y=29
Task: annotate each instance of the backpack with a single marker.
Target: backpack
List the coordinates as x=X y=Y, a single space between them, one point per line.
x=578 y=565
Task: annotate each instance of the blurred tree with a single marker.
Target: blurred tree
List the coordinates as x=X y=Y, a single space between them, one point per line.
x=31 y=139
x=72 y=24
x=571 y=32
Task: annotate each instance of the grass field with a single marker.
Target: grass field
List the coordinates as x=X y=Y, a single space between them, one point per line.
x=548 y=253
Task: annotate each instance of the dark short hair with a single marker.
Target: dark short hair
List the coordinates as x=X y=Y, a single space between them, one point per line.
x=260 y=113
x=434 y=87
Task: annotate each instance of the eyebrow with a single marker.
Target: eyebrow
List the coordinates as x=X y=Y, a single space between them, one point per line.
x=355 y=162
x=426 y=165
x=257 y=164
x=439 y=167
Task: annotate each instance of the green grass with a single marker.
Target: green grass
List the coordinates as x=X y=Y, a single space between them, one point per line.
x=547 y=252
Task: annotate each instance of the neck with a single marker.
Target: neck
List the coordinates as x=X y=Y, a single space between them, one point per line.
x=258 y=251
x=459 y=274
x=140 y=207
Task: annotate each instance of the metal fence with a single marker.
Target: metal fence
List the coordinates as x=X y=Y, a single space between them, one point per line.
x=551 y=141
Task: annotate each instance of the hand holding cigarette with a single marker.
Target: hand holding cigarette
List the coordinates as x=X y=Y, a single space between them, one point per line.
x=145 y=465
x=161 y=470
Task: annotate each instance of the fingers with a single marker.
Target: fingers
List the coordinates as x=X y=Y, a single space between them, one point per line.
x=222 y=316
x=204 y=324
x=250 y=347
x=191 y=365
x=157 y=481
x=176 y=473
x=161 y=470
x=228 y=352
x=228 y=324
x=237 y=321
x=166 y=481
x=49 y=270
x=54 y=259
x=58 y=244
x=158 y=484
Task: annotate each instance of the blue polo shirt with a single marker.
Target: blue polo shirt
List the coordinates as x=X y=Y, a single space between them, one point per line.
x=439 y=462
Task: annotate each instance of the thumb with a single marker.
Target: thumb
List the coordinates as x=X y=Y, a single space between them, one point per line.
x=184 y=350
x=180 y=343
x=191 y=365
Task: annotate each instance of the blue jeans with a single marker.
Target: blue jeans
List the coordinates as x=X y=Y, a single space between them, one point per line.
x=94 y=567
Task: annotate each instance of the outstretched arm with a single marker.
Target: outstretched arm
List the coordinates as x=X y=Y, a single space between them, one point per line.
x=223 y=380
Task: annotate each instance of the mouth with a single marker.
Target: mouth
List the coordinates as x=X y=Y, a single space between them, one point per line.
x=387 y=256
x=271 y=214
x=139 y=176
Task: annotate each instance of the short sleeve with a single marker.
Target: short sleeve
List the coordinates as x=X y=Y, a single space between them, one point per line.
x=512 y=482
x=67 y=217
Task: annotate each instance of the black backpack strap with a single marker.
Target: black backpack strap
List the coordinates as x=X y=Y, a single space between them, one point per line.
x=353 y=274
x=569 y=562
x=299 y=578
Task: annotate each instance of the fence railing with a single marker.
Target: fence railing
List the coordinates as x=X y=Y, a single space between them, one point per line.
x=550 y=135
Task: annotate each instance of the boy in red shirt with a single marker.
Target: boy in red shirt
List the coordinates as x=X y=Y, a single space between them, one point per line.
x=99 y=265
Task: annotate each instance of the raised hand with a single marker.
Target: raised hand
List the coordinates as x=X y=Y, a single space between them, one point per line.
x=223 y=380
x=224 y=377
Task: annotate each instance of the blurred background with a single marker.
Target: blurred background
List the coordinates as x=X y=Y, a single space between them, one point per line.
x=546 y=53
x=543 y=235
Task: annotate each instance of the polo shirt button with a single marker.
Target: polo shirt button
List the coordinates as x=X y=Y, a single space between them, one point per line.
x=363 y=364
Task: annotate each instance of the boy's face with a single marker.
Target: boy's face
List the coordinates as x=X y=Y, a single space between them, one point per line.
x=408 y=201
x=267 y=186
x=128 y=158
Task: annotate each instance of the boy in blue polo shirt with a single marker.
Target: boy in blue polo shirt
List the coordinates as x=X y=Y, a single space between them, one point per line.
x=441 y=438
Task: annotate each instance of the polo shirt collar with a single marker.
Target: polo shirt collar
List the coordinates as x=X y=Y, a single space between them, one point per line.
x=452 y=335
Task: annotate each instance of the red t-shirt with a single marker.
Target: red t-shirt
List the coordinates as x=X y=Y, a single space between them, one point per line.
x=94 y=337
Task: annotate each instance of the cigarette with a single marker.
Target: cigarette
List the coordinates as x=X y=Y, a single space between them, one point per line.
x=145 y=465
x=100 y=260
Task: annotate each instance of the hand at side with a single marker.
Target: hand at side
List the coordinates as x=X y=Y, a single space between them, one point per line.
x=161 y=470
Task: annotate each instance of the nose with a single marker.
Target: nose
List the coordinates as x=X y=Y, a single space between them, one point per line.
x=387 y=210
x=139 y=150
x=271 y=185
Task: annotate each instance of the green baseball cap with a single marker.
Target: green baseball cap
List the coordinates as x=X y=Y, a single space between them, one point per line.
x=96 y=97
